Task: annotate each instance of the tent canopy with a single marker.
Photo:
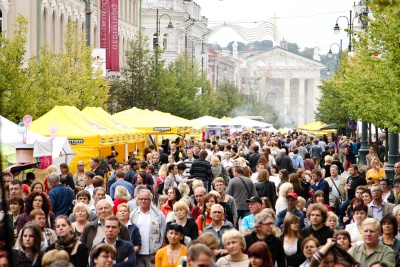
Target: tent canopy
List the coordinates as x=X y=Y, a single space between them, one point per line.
x=58 y=148
x=99 y=115
x=238 y=122
x=315 y=128
x=80 y=130
x=153 y=122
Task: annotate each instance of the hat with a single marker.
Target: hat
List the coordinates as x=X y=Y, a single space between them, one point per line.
x=293 y=195
x=254 y=199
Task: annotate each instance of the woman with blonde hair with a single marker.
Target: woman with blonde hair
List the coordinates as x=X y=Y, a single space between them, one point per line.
x=218 y=170
x=234 y=242
x=283 y=191
x=332 y=221
x=376 y=172
x=54 y=255
x=184 y=189
x=162 y=175
x=242 y=162
x=121 y=195
x=326 y=169
x=47 y=186
x=82 y=213
x=79 y=176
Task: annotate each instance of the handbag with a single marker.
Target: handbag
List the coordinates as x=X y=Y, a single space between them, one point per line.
x=340 y=195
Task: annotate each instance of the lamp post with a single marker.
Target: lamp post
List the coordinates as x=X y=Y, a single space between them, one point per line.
x=329 y=70
x=88 y=14
x=336 y=28
x=158 y=29
x=202 y=53
x=330 y=54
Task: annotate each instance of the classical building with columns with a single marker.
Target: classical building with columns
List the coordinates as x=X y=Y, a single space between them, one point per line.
x=285 y=80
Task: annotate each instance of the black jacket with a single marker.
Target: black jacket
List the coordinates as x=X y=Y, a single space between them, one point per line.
x=275 y=246
x=297 y=259
x=266 y=189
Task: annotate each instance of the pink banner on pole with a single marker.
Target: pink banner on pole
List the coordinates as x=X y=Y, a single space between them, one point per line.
x=114 y=39
x=105 y=29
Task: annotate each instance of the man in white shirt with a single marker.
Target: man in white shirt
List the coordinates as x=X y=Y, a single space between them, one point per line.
x=152 y=225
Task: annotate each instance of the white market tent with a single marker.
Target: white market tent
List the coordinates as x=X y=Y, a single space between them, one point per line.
x=235 y=124
x=210 y=122
x=59 y=149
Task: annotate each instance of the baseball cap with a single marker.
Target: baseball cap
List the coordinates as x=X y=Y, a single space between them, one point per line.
x=254 y=199
x=293 y=195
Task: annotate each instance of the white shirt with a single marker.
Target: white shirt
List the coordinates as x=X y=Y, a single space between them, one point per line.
x=254 y=177
x=144 y=224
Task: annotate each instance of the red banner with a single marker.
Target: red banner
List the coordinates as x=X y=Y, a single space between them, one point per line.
x=105 y=29
x=114 y=40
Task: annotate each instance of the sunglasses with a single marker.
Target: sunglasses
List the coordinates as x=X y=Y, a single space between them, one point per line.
x=81 y=165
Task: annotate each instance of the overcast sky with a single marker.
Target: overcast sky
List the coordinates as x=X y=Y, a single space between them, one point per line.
x=309 y=23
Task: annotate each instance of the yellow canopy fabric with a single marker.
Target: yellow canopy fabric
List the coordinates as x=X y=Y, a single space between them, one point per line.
x=8 y=156
x=314 y=128
x=80 y=130
x=99 y=115
x=195 y=127
x=153 y=122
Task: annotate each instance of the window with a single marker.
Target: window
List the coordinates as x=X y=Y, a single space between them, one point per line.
x=155 y=42
x=165 y=41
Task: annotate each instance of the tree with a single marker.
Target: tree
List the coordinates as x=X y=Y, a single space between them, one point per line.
x=190 y=95
x=227 y=99
x=135 y=87
x=15 y=101
x=50 y=79
x=331 y=108
x=370 y=79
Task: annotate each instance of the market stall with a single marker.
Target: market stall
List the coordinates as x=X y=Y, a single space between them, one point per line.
x=87 y=137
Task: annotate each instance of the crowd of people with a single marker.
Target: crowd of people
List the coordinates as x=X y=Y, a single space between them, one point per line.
x=252 y=199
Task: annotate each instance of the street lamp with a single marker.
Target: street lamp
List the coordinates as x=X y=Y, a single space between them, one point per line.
x=330 y=54
x=202 y=53
x=336 y=28
x=329 y=70
x=158 y=29
x=88 y=14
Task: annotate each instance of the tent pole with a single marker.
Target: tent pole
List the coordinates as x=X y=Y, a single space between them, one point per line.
x=152 y=141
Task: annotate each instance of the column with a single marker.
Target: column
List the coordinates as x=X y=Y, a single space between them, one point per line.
x=316 y=94
x=286 y=96
x=301 y=102
x=363 y=151
x=393 y=156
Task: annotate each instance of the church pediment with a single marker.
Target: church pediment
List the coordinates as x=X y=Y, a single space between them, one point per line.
x=277 y=57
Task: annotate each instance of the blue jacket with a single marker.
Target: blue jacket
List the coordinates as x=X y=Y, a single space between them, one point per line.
x=61 y=198
x=282 y=214
x=298 y=161
x=324 y=187
x=135 y=235
x=124 y=250
x=316 y=151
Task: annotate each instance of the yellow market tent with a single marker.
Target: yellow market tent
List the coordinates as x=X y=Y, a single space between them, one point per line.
x=153 y=122
x=314 y=128
x=130 y=135
x=88 y=138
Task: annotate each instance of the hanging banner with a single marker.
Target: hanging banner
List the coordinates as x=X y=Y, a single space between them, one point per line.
x=105 y=29
x=114 y=40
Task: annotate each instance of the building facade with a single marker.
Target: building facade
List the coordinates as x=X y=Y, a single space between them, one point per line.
x=189 y=32
x=48 y=20
x=286 y=81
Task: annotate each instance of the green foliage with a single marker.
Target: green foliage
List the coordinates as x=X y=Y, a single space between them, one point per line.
x=56 y=79
x=137 y=86
x=14 y=100
x=331 y=107
x=373 y=84
x=227 y=99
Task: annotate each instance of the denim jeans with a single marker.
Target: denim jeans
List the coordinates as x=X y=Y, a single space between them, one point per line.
x=241 y=214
